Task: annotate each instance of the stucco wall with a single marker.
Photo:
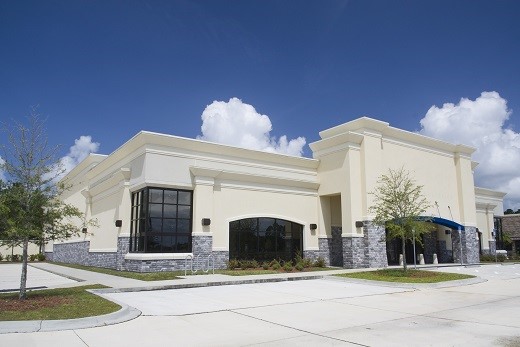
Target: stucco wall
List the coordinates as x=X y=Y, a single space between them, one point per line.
x=232 y=204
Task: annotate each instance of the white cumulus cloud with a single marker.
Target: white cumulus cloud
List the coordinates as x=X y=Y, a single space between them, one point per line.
x=77 y=153
x=481 y=123
x=239 y=124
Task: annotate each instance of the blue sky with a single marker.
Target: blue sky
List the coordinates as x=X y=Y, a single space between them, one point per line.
x=108 y=69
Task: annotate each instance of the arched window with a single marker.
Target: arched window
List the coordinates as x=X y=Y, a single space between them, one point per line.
x=264 y=239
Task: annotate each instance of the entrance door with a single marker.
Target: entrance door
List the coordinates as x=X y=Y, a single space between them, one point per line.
x=265 y=239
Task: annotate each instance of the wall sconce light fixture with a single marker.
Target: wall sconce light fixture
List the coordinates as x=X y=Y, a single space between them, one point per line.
x=206 y=221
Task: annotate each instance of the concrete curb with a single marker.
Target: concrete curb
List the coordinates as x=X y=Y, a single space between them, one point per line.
x=126 y=313
x=205 y=284
x=416 y=286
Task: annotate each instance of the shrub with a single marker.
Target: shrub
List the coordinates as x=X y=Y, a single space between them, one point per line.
x=298 y=257
x=40 y=257
x=492 y=257
x=287 y=266
x=1 y=257
x=265 y=265
x=299 y=266
x=275 y=264
x=487 y=257
x=16 y=258
x=248 y=264
x=8 y=257
x=32 y=257
x=232 y=264
x=307 y=262
x=319 y=262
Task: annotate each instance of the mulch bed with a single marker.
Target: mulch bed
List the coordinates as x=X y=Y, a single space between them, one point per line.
x=33 y=303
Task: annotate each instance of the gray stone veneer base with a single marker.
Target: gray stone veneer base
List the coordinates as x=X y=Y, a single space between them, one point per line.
x=324 y=252
x=375 y=243
x=492 y=247
x=444 y=255
x=78 y=253
x=469 y=245
x=354 y=256
x=336 y=247
x=472 y=254
x=313 y=255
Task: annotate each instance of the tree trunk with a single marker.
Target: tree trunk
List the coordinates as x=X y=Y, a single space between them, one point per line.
x=404 y=253
x=23 y=280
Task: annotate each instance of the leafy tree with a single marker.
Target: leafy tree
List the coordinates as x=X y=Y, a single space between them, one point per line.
x=30 y=208
x=510 y=211
x=399 y=206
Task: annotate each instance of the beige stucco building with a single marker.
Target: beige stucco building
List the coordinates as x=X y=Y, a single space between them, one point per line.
x=161 y=199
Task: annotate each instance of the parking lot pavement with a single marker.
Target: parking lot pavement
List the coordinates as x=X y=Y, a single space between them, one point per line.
x=36 y=278
x=212 y=299
x=491 y=271
x=312 y=312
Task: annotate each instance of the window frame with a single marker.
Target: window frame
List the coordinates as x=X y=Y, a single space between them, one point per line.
x=145 y=215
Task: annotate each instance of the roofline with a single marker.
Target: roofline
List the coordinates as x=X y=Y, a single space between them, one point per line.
x=144 y=138
x=367 y=124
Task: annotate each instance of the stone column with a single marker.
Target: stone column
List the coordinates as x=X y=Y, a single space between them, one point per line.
x=492 y=247
x=472 y=254
x=469 y=242
x=430 y=246
x=354 y=256
x=123 y=247
x=457 y=240
x=375 y=240
x=336 y=247
x=202 y=246
x=324 y=246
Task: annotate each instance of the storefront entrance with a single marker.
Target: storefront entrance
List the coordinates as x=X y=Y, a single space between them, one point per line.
x=265 y=239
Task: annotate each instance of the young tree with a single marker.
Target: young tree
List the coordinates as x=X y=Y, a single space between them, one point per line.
x=398 y=207
x=29 y=201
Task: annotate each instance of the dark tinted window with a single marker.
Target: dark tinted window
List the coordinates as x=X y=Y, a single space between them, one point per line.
x=161 y=221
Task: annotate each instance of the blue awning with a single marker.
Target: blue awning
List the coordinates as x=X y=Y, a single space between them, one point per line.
x=444 y=222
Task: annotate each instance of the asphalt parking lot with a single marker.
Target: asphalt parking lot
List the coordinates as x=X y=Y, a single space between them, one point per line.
x=311 y=313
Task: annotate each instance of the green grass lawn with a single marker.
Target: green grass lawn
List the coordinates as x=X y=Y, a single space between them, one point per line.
x=63 y=303
x=410 y=276
x=143 y=276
